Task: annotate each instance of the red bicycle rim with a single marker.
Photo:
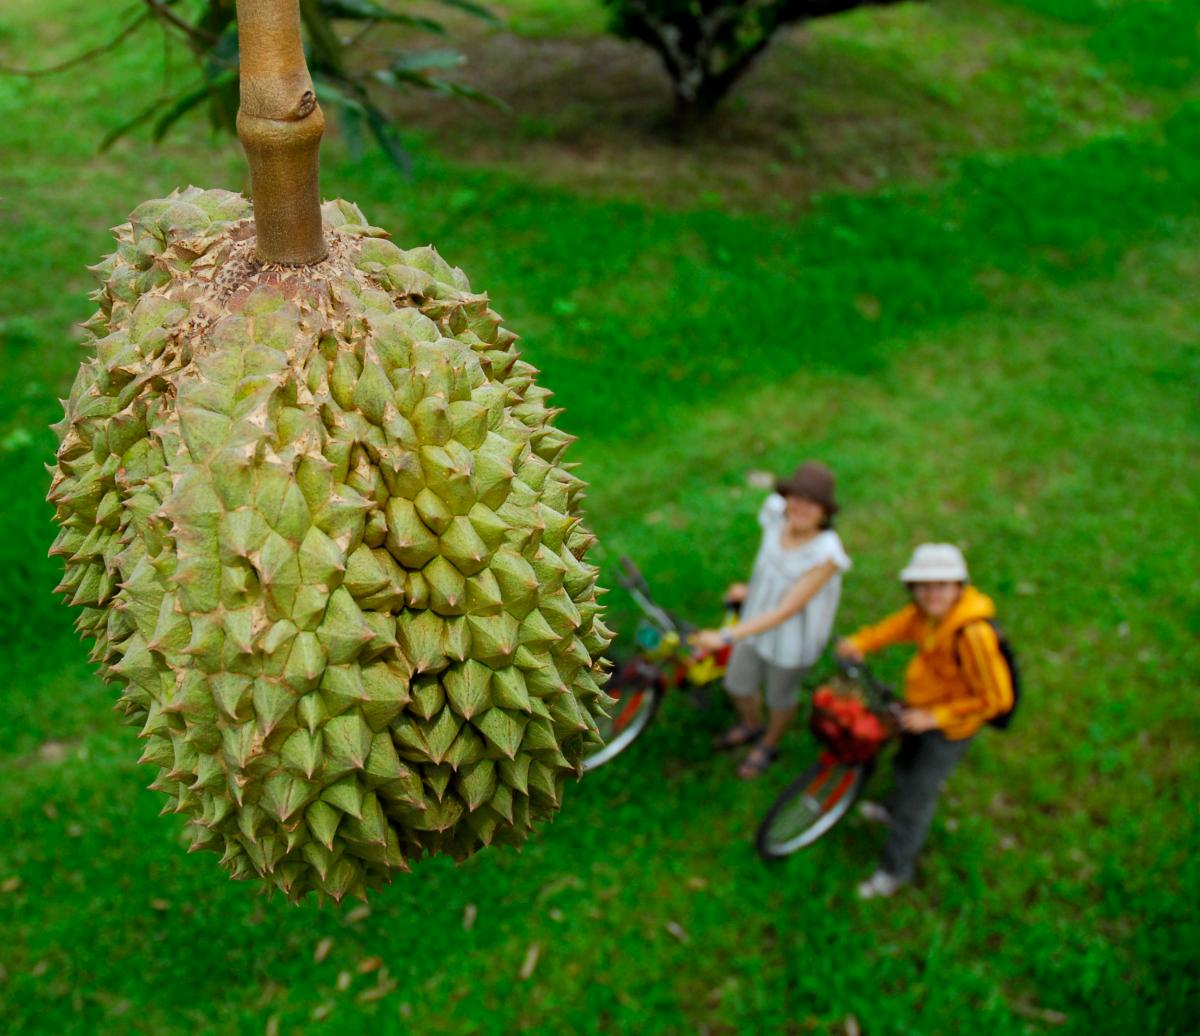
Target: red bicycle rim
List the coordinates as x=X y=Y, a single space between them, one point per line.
x=843 y=786
x=629 y=708
x=815 y=784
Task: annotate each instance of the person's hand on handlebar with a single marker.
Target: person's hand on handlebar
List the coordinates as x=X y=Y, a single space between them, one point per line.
x=736 y=593
x=708 y=640
x=847 y=652
x=917 y=721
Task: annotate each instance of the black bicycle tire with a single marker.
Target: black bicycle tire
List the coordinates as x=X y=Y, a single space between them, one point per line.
x=762 y=839
x=606 y=754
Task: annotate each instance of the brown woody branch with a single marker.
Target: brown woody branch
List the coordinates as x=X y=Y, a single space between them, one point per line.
x=280 y=125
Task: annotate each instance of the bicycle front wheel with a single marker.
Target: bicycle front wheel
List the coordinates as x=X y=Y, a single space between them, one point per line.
x=809 y=807
x=628 y=718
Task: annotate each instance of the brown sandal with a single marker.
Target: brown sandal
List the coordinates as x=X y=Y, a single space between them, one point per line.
x=736 y=737
x=757 y=762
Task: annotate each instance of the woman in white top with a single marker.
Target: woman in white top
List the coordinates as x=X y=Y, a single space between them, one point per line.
x=787 y=612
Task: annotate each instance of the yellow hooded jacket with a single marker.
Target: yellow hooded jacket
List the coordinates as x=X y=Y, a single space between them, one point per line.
x=958 y=672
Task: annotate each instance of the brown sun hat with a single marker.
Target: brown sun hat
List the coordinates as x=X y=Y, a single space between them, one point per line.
x=813 y=481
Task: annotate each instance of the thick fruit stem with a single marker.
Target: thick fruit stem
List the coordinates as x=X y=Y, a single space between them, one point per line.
x=280 y=125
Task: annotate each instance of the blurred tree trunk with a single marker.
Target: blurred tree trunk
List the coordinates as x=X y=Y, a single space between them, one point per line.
x=707 y=45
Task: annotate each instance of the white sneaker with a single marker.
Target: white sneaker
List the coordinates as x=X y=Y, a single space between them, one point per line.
x=874 y=812
x=881 y=884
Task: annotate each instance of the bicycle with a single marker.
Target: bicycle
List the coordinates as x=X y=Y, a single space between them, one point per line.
x=853 y=717
x=661 y=661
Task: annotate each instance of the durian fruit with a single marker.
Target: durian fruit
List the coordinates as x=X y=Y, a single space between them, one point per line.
x=318 y=523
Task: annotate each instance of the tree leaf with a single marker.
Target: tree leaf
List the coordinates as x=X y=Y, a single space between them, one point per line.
x=475 y=10
x=185 y=102
x=113 y=135
x=470 y=93
x=351 y=124
x=368 y=10
x=385 y=135
x=223 y=105
x=209 y=30
x=419 y=60
x=223 y=57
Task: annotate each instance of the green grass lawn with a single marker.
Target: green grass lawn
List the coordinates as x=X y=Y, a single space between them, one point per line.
x=1004 y=354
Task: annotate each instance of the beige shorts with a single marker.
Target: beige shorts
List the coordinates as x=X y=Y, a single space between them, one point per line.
x=749 y=673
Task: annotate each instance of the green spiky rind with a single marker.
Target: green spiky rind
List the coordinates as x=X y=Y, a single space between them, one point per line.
x=320 y=531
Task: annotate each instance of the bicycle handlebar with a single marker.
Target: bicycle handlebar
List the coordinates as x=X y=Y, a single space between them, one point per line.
x=861 y=671
x=635 y=583
x=633 y=578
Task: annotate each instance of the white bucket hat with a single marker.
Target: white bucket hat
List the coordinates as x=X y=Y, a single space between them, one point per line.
x=936 y=563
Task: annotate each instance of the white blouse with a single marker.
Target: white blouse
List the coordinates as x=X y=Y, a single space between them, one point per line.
x=799 y=640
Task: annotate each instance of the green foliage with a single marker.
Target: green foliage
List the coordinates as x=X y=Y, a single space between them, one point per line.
x=707 y=45
x=1007 y=359
x=209 y=38
x=552 y=18
x=1155 y=43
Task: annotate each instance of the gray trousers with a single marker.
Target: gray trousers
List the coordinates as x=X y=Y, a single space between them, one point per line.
x=921 y=766
x=749 y=673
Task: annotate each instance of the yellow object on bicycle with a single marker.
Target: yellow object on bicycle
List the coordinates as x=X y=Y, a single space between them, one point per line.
x=668 y=647
x=705 y=670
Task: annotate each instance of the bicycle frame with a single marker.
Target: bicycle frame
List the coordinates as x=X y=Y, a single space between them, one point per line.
x=658 y=663
x=860 y=672
x=634 y=583
x=674 y=665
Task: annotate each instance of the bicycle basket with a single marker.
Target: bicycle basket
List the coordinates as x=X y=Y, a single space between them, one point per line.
x=843 y=722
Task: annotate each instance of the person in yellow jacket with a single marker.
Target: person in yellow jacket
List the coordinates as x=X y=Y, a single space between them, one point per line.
x=955 y=683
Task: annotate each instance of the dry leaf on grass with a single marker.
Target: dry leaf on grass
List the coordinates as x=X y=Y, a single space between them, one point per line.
x=530 y=961
x=1042 y=1014
x=678 y=931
